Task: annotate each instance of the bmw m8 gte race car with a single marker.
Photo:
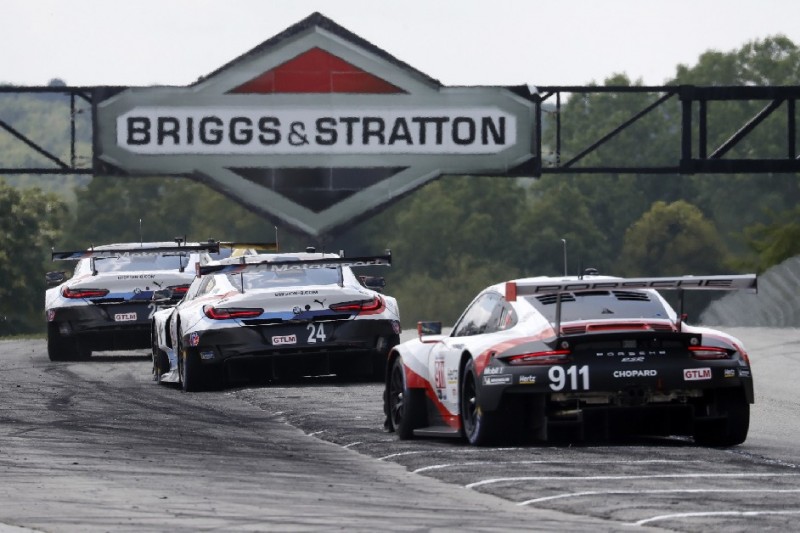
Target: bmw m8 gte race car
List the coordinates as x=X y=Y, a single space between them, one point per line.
x=107 y=303
x=272 y=316
x=574 y=358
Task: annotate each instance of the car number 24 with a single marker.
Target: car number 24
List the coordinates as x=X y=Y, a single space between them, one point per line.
x=316 y=333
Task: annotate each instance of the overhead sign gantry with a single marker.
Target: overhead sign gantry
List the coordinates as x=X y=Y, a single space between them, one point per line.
x=317 y=128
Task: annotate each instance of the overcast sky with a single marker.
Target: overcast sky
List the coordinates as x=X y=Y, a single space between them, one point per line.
x=458 y=42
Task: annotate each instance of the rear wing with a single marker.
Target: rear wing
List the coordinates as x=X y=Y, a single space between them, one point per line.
x=211 y=247
x=514 y=289
x=288 y=266
x=747 y=282
x=259 y=246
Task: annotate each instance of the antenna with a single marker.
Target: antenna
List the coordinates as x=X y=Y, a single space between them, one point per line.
x=141 y=237
x=564 y=246
x=276 y=238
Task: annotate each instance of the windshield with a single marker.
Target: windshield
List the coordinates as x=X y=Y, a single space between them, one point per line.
x=603 y=305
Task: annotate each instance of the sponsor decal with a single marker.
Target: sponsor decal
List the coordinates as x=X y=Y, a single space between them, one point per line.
x=124 y=317
x=730 y=373
x=207 y=355
x=296 y=293
x=492 y=370
x=284 y=339
x=696 y=374
x=528 y=379
x=635 y=373
x=744 y=373
x=194 y=338
x=51 y=315
x=504 y=379
x=137 y=276
x=639 y=359
x=630 y=353
x=452 y=376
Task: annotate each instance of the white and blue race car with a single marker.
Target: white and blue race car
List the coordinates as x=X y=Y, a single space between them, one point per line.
x=277 y=315
x=107 y=303
x=576 y=358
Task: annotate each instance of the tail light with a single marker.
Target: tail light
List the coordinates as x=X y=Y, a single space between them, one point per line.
x=549 y=357
x=361 y=307
x=225 y=313
x=178 y=290
x=83 y=293
x=705 y=353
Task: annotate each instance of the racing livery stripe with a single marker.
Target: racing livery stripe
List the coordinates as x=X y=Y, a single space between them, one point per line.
x=415 y=381
x=483 y=359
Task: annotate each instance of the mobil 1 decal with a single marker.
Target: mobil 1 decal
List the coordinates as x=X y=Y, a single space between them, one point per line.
x=314 y=128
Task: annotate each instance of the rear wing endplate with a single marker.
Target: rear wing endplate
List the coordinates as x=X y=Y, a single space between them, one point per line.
x=288 y=266
x=211 y=247
x=746 y=282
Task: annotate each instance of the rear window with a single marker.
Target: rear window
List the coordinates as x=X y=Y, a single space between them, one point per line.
x=139 y=263
x=604 y=305
x=288 y=278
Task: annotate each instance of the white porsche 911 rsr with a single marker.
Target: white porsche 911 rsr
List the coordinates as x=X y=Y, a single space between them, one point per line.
x=273 y=316
x=107 y=303
x=577 y=358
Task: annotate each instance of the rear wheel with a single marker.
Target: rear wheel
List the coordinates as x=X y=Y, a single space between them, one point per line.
x=406 y=406
x=731 y=422
x=480 y=428
x=160 y=359
x=61 y=348
x=190 y=369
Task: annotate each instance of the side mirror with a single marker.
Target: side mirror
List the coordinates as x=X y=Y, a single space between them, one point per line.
x=55 y=278
x=376 y=283
x=427 y=329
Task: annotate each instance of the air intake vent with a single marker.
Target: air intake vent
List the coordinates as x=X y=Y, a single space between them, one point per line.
x=549 y=299
x=630 y=296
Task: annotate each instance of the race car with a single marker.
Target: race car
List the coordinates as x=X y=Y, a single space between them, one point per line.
x=274 y=316
x=107 y=303
x=575 y=358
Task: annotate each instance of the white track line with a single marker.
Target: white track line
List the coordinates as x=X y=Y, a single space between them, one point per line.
x=535 y=462
x=661 y=491
x=619 y=478
x=718 y=513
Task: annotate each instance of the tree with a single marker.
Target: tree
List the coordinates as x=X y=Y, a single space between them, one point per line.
x=30 y=224
x=670 y=240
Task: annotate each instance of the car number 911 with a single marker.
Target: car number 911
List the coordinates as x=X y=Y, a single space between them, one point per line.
x=573 y=377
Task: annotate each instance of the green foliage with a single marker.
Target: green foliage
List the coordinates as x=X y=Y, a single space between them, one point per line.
x=30 y=224
x=672 y=240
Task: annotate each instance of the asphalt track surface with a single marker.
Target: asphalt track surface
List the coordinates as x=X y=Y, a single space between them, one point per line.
x=97 y=446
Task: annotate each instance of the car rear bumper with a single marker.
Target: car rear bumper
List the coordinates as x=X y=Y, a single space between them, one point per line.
x=110 y=327
x=343 y=347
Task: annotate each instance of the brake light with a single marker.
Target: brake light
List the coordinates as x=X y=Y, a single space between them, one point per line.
x=225 y=313
x=705 y=353
x=178 y=290
x=361 y=307
x=83 y=293
x=549 y=357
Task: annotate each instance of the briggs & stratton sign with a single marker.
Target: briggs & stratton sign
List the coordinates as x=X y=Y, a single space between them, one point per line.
x=315 y=128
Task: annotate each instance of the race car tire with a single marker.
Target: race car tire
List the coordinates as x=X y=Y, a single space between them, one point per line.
x=160 y=364
x=406 y=406
x=61 y=348
x=480 y=428
x=730 y=430
x=190 y=370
